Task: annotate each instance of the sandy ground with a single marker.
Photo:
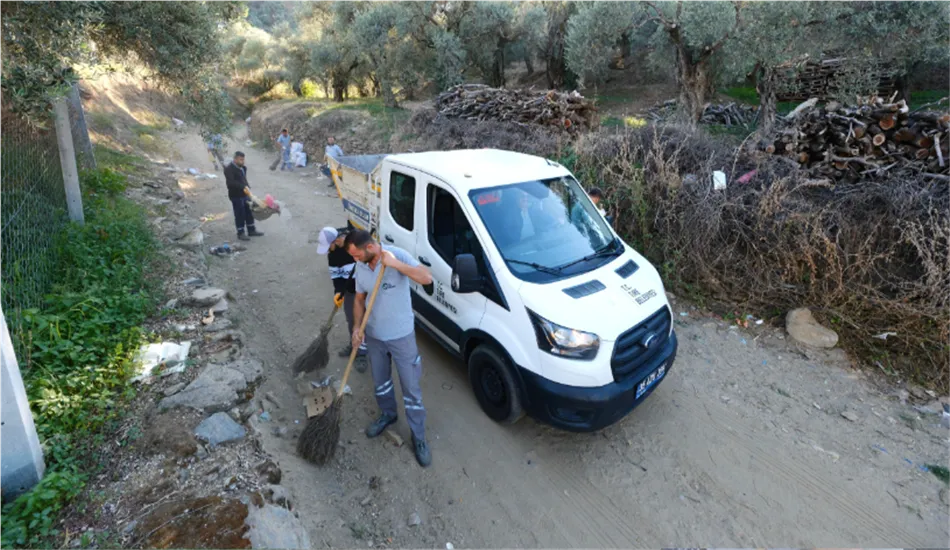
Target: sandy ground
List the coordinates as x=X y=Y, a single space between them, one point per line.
x=744 y=445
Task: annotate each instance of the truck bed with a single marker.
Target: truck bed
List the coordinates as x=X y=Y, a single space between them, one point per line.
x=356 y=180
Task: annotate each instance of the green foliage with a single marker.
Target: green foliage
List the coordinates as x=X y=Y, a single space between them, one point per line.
x=208 y=105
x=43 y=40
x=309 y=89
x=940 y=472
x=594 y=35
x=82 y=344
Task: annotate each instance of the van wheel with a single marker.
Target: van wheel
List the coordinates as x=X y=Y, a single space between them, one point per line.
x=495 y=387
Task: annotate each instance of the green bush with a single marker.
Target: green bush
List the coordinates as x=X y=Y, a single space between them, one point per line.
x=82 y=342
x=309 y=89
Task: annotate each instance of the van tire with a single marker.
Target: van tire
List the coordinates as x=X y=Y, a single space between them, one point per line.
x=495 y=386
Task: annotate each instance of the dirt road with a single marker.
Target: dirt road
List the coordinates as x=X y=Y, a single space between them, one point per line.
x=748 y=443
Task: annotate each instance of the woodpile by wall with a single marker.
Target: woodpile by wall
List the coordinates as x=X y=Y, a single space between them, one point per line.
x=817 y=78
x=727 y=114
x=570 y=112
x=849 y=143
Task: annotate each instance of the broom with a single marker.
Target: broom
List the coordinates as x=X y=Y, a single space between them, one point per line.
x=317 y=355
x=319 y=439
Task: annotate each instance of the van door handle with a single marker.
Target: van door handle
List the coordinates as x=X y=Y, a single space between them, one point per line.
x=389 y=239
x=424 y=261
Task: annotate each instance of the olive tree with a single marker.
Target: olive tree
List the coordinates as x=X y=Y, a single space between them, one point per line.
x=42 y=41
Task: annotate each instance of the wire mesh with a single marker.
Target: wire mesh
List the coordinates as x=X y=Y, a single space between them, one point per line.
x=32 y=214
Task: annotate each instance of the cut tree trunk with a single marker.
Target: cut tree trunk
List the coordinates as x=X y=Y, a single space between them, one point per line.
x=765 y=86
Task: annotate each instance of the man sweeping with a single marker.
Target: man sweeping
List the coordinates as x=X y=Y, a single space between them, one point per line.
x=235 y=177
x=390 y=330
x=330 y=242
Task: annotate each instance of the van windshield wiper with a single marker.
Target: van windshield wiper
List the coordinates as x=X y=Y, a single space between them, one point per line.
x=606 y=250
x=539 y=267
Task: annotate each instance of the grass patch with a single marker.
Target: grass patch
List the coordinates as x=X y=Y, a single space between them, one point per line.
x=923 y=97
x=941 y=472
x=749 y=96
x=101 y=120
x=81 y=345
x=623 y=122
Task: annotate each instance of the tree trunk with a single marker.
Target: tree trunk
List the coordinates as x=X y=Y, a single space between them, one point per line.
x=389 y=98
x=529 y=63
x=693 y=83
x=362 y=90
x=498 y=67
x=339 y=91
x=765 y=86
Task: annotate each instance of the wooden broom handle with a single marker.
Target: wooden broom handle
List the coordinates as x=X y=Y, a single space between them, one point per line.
x=369 y=309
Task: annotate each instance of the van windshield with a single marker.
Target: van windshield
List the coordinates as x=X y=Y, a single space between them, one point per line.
x=546 y=229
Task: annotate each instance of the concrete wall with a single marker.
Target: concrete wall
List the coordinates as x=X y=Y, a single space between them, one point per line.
x=21 y=458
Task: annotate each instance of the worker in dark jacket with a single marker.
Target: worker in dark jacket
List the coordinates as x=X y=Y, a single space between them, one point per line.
x=341 y=264
x=235 y=175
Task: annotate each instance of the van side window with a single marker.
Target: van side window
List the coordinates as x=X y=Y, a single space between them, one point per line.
x=402 y=198
x=449 y=231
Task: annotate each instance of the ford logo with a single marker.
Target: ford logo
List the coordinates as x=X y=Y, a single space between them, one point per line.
x=647 y=340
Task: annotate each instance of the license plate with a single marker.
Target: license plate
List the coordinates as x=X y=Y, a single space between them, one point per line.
x=650 y=380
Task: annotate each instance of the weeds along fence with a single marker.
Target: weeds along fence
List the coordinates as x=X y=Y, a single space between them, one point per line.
x=33 y=210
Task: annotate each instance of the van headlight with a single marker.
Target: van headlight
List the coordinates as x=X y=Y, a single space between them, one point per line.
x=562 y=341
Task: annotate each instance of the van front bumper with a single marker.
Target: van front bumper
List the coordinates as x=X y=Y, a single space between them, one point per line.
x=579 y=409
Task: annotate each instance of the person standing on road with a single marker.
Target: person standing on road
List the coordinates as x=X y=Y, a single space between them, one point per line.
x=331 y=150
x=235 y=177
x=330 y=242
x=282 y=142
x=390 y=330
x=215 y=145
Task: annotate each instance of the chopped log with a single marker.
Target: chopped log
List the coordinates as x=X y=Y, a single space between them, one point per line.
x=803 y=158
x=886 y=122
x=924 y=142
x=879 y=140
x=922 y=154
x=905 y=135
x=859 y=131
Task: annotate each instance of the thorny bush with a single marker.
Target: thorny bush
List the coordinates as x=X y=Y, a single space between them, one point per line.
x=870 y=258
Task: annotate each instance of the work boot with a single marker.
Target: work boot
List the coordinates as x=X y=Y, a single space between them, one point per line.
x=384 y=421
x=423 y=454
x=243 y=237
x=255 y=233
x=345 y=352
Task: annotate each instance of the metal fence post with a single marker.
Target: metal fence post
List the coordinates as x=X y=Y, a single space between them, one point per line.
x=67 y=158
x=22 y=457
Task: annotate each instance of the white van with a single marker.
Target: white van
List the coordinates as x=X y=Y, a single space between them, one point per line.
x=551 y=311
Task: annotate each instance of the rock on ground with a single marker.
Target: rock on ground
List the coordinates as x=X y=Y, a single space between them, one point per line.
x=205 y=297
x=803 y=328
x=214 y=390
x=275 y=527
x=219 y=428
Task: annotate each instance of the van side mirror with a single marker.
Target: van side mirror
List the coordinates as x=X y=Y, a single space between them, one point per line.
x=465 y=276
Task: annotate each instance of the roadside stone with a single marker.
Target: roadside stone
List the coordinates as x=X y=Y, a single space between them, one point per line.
x=414 y=520
x=171 y=304
x=221 y=306
x=183 y=228
x=850 y=415
x=205 y=297
x=278 y=495
x=275 y=527
x=206 y=522
x=269 y=471
x=214 y=390
x=170 y=433
x=803 y=328
x=917 y=391
x=945 y=496
x=219 y=428
x=251 y=369
x=180 y=195
x=173 y=389
x=218 y=325
x=279 y=431
x=903 y=396
x=193 y=239
x=201 y=453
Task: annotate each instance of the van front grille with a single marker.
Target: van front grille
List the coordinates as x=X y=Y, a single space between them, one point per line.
x=636 y=348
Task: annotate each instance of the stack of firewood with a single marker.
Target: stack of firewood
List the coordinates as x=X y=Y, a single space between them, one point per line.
x=566 y=111
x=846 y=143
x=728 y=114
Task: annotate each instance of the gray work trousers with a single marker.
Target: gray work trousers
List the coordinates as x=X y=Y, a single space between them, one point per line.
x=405 y=355
x=348 y=299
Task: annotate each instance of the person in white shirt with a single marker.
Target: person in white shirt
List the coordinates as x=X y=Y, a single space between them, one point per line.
x=331 y=150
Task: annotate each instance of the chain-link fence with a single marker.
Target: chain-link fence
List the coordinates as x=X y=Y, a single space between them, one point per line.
x=33 y=211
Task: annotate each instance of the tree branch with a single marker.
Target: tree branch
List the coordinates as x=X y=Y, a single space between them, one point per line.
x=709 y=50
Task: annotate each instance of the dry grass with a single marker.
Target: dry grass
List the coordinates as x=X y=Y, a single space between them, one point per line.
x=869 y=258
